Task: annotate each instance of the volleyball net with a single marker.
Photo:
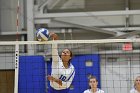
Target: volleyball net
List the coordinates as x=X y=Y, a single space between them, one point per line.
x=25 y=64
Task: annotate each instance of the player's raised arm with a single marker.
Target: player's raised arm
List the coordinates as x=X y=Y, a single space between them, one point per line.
x=55 y=56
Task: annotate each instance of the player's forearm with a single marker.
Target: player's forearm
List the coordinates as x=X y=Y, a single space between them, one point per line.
x=58 y=81
x=52 y=79
x=54 y=49
x=54 y=53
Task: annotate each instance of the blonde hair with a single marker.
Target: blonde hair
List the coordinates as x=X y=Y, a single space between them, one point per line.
x=135 y=81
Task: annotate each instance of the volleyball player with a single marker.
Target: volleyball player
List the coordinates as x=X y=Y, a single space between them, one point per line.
x=93 y=83
x=136 y=88
x=62 y=70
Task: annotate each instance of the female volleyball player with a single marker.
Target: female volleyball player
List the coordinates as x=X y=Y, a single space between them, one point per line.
x=93 y=83
x=136 y=88
x=62 y=70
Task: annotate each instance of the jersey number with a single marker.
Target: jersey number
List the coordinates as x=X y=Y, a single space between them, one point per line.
x=63 y=78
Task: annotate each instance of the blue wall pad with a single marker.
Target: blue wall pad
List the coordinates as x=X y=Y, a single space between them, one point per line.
x=31 y=74
x=80 y=82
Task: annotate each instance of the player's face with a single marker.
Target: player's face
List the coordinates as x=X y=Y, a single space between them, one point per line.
x=137 y=81
x=93 y=83
x=66 y=55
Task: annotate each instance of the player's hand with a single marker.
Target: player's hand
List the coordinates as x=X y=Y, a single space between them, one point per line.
x=50 y=78
x=53 y=36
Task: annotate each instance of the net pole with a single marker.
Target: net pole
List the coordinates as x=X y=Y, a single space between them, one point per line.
x=16 y=68
x=17 y=52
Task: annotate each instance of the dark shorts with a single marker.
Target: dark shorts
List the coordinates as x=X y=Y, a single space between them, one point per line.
x=52 y=90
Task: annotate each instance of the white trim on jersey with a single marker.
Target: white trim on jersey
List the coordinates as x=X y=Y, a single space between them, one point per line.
x=89 y=91
x=133 y=91
x=60 y=72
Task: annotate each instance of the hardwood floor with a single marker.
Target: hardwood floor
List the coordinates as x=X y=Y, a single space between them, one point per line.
x=6 y=81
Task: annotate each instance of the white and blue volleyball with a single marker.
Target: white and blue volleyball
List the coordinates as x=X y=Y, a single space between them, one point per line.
x=42 y=34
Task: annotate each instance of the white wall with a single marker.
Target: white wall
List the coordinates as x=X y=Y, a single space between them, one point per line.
x=118 y=76
x=7 y=61
x=8 y=16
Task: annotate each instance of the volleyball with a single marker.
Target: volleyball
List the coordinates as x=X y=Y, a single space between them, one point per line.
x=42 y=34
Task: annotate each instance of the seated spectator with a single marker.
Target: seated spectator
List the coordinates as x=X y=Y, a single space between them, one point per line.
x=93 y=83
x=136 y=88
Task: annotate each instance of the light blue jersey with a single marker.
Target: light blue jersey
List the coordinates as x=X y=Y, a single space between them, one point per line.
x=89 y=91
x=60 y=72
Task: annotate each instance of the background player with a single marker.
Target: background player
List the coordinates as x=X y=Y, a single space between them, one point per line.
x=93 y=83
x=62 y=70
x=136 y=88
